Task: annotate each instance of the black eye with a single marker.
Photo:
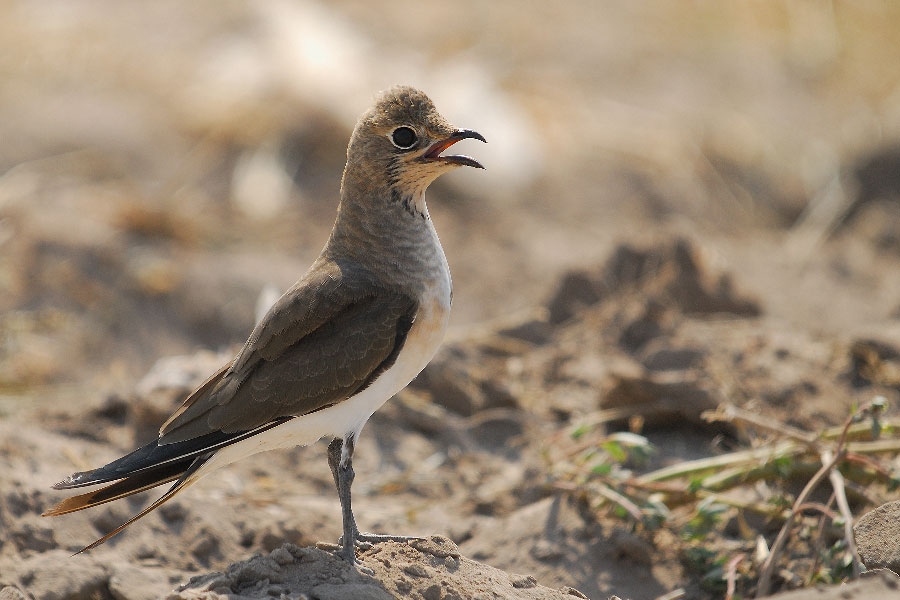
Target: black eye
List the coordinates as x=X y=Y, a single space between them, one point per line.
x=404 y=138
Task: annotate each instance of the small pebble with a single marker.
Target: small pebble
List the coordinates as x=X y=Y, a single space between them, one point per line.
x=416 y=570
x=521 y=582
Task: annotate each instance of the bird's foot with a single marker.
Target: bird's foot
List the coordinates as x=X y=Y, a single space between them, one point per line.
x=347 y=554
x=363 y=542
x=377 y=538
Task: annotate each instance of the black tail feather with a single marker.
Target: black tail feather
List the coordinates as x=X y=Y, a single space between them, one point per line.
x=154 y=455
x=147 y=479
x=146 y=458
x=182 y=482
x=147 y=467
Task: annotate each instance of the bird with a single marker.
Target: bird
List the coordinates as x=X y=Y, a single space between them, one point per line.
x=366 y=317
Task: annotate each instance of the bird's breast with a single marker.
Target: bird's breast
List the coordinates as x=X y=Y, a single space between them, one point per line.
x=431 y=321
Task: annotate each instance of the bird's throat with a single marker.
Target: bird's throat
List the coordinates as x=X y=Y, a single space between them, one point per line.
x=412 y=203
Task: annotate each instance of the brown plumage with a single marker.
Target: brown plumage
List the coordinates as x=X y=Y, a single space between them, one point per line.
x=357 y=327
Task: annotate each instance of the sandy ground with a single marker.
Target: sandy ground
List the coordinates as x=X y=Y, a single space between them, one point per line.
x=686 y=206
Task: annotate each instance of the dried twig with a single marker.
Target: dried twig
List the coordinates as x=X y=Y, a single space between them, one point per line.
x=732 y=414
x=830 y=460
x=840 y=496
x=819 y=544
x=614 y=496
x=743 y=457
x=765 y=577
x=818 y=506
x=731 y=574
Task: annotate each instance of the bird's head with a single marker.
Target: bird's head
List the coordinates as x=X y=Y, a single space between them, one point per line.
x=398 y=144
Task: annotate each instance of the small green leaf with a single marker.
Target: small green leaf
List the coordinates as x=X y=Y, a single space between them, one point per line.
x=580 y=431
x=615 y=450
x=601 y=469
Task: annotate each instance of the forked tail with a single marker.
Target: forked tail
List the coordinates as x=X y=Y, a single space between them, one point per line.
x=126 y=487
x=147 y=467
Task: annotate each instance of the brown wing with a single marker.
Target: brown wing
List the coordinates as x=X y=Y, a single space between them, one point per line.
x=326 y=338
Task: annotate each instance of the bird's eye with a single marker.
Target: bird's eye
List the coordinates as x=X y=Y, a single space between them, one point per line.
x=404 y=138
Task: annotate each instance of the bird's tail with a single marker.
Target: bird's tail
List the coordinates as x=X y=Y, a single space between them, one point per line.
x=180 y=472
x=150 y=466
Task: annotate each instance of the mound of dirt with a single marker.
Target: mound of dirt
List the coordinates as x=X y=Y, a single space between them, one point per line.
x=431 y=569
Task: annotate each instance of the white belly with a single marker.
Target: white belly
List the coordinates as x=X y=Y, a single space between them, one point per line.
x=349 y=416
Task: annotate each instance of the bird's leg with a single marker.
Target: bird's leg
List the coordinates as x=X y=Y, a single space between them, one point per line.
x=340 y=460
x=342 y=471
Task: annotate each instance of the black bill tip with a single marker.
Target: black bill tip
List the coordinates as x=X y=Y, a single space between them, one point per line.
x=434 y=152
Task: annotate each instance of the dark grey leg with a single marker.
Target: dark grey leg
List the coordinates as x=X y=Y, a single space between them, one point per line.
x=343 y=479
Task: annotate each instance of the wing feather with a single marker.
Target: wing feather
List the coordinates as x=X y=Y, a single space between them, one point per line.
x=320 y=343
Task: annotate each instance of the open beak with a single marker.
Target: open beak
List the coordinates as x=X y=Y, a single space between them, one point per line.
x=434 y=152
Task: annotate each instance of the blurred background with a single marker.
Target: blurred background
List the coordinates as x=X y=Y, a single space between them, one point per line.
x=162 y=163
x=167 y=168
